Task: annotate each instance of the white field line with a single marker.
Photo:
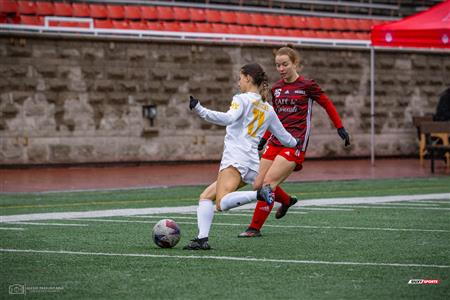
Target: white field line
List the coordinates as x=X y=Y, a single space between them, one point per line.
x=228 y=258
x=393 y=207
x=11 y=228
x=430 y=202
x=193 y=208
x=323 y=208
x=48 y=224
x=412 y=204
x=277 y=226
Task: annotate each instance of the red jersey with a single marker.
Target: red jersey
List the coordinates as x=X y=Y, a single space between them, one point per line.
x=293 y=104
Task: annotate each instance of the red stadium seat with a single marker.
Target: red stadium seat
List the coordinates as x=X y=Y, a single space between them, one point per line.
x=363 y=36
x=63 y=9
x=286 y=21
x=313 y=23
x=132 y=12
x=213 y=16
x=300 y=22
x=228 y=17
x=243 y=18
x=137 y=25
x=8 y=6
x=165 y=13
x=253 y=30
x=271 y=20
x=45 y=9
x=365 y=24
x=115 y=12
x=170 y=26
x=26 y=7
x=106 y=24
x=266 y=31
x=309 y=34
x=149 y=13
x=205 y=27
x=120 y=24
x=340 y=24
x=219 y=28
x=236 y=29
x=98 y=11
x=349 y=35
x=280 y=32
x=336 y=34
x=154 y=25
x=197 y=15
x=188 y=27
x=181 y=14
x=257 y=19
x=295 y=32
x=80 y=10
x=327 y=23
x=352 y=24
x=323 y=34
x=31 y=20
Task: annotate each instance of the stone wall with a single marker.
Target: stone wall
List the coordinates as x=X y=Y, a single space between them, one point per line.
x=81 y=100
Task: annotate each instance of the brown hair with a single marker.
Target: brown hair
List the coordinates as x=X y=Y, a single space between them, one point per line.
x=293 y=54
x=256 y=72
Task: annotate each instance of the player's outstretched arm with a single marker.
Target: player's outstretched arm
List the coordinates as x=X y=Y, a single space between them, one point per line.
x=280 y=132
x=217 y=117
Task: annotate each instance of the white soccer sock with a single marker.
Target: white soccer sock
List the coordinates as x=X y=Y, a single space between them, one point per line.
x=236 y=199
x=205 y=215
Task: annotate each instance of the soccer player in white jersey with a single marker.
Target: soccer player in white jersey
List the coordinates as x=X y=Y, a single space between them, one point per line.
x=247 y=119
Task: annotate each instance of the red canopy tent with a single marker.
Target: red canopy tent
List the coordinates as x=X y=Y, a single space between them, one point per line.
x=428 y=29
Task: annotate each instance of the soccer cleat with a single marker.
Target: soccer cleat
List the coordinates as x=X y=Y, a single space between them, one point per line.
x=198 y=244
x=282 y=210
x=266 y=194
x=250 y=232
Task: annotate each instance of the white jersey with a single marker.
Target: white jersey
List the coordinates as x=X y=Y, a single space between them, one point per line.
x=247 y=120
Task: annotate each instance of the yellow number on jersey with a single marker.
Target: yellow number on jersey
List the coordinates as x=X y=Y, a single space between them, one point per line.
x=258 y=116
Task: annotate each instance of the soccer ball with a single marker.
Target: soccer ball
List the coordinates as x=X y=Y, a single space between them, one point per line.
x=166 y=233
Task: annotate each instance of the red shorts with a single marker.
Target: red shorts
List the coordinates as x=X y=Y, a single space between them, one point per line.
x=291 y=154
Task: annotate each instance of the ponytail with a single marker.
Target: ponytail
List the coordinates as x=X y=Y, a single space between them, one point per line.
x=259 y=77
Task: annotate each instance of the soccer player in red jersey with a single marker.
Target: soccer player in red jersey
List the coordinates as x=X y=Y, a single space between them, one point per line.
x=292 y=97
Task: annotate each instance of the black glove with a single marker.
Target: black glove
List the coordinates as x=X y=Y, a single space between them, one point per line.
x=261 y=144
x=192 y=102
x=344 y=135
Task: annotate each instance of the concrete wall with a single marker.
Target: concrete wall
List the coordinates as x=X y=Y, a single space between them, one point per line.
x=77 y=100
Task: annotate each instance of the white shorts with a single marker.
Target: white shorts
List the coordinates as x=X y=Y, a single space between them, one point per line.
x=248 y=175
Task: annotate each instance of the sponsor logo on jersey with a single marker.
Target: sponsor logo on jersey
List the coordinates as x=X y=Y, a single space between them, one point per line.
x=234 y=105
x=277 y=92
x=286 y=92
x=300 y=92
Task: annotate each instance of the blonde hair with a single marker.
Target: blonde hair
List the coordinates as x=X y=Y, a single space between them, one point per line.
x=293 y=54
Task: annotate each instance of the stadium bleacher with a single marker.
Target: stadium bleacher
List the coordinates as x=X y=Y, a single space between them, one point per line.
x=215 y=18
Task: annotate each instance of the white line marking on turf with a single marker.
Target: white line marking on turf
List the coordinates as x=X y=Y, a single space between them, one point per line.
x=11 y=228
x=412 y=204
x=277 y=226
x=245 y=259
x=323 y=208
x=48 y=224
x=393 y=207
x=193 y=208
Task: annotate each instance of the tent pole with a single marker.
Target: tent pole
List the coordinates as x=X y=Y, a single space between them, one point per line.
x=372 y=105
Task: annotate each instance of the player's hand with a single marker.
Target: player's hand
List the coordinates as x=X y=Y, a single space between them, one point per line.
x=344 y=135
x=261 y=144
x=192 y=102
